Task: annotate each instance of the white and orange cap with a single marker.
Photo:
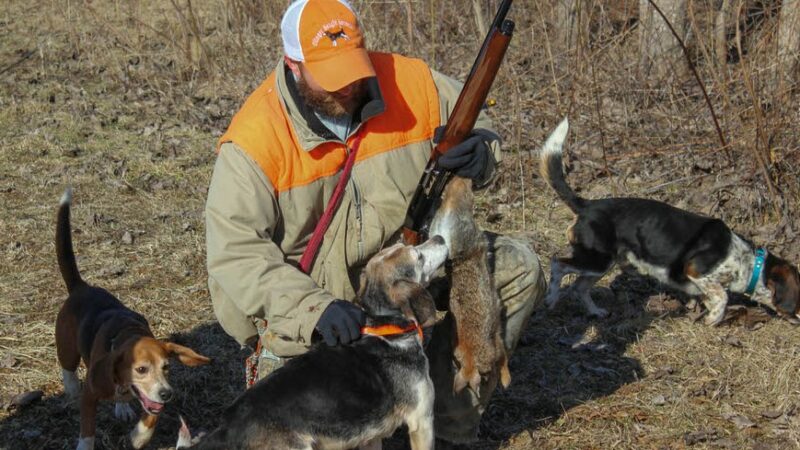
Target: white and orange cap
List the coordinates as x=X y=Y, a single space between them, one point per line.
x=326 y=37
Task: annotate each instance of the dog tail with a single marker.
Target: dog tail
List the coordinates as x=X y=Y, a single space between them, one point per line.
x=551 y=169
x=216 y=440
x=66 y=257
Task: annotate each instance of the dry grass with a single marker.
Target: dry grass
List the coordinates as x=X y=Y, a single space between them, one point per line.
x=124 y=100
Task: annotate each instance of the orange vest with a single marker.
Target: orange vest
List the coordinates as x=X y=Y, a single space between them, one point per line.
x=263 y=129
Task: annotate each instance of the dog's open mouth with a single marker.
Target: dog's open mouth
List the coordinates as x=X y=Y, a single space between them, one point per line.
x=151 y=407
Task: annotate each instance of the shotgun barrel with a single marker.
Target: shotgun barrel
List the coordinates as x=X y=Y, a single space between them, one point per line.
x=460 y=123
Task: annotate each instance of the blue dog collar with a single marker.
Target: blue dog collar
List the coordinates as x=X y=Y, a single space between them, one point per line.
x=758 y=266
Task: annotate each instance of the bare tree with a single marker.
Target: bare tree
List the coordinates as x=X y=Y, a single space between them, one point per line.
x=572 y=25
x=722 y=24
x=788 y=45
x=660 y=53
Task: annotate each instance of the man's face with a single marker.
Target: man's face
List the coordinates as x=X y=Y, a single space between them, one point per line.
x=345 y=101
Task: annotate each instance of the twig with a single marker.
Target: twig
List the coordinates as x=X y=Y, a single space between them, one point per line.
x=26 y=55
x=759 y=115
x=480 y=21
x=699 y=81
x=550 y=60
x=599 y=113
x=668 y=183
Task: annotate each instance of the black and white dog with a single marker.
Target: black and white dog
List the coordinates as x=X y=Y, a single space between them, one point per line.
x=696 y=254
x=352 y=395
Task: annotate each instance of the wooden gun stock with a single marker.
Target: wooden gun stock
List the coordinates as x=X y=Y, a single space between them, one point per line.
x=460 y=123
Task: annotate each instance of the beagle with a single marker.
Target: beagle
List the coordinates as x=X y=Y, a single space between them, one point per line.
x=698 y=255
x=350 y=395
x=122 y=358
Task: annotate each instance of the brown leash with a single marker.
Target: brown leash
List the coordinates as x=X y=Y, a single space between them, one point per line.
x=251 y=363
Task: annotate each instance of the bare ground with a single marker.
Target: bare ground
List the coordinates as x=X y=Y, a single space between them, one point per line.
x=124 y=100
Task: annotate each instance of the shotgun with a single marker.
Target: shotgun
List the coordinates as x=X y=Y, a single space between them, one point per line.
x=460 y=124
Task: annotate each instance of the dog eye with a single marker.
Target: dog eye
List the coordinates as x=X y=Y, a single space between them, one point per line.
x=141 y=370
x=165 y=369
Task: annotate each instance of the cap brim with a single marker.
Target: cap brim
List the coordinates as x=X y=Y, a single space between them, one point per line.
x=346 y=67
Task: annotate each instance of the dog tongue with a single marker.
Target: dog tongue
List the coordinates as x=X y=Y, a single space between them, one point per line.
x=151 y=405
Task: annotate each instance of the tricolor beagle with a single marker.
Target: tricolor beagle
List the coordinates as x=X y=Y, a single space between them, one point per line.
x=696 y=254
x=350 y=395
x=122 y=357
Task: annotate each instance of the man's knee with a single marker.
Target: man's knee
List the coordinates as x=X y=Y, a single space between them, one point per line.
x=518 y=275
x=519 y=281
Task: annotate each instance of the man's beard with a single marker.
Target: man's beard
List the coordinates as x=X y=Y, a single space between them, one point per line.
x=327 y=104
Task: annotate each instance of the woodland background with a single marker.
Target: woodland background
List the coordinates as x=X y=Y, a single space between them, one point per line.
x=124 y=101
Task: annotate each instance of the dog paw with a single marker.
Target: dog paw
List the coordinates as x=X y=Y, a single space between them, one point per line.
x=714 y=318
x=141 y=435
x=72 y=384
x=598 y=312
x=85 y=443
x=550 y=299
x=123 y=412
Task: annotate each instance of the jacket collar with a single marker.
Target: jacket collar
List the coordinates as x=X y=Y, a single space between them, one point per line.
x=309 y=129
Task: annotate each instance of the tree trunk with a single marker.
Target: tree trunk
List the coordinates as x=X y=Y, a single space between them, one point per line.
x=722 y=24
x=661 y=56
x=572 y=26
x=788 y=45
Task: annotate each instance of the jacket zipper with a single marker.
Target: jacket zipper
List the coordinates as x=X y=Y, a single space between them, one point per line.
x=357 y=204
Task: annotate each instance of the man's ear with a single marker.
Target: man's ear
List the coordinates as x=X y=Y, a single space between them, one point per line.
x=186 y=355
x=293 y=65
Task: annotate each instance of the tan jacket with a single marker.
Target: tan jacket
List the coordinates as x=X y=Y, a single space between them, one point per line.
x=266 y=196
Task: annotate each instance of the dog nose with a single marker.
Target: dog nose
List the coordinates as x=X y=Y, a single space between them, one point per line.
x=165 y=394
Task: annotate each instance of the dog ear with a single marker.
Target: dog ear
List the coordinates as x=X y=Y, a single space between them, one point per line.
x=362 y=283
x=186 y=355
x=410 y=295
x=784 y=283
x=105 y=374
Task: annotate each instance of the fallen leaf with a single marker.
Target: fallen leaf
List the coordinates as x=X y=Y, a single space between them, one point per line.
x=725 y=443
x=659 y=400
x=662 y=372
x=127 y=238
x=694 y=316
x=739 y=420
x=771 y=414
x=8 y=361
x=733 y=341
x=24 y=399
x=700 y=436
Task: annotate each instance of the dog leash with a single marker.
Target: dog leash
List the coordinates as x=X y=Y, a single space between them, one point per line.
x=251 y=363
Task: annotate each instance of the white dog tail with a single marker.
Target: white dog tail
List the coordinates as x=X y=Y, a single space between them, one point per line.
x=550 y=167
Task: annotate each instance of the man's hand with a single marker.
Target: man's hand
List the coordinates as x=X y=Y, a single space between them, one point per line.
x=469 y=159
x=341 y=322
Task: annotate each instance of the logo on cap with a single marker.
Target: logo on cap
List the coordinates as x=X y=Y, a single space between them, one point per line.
x=334 y=36
x=333 y=30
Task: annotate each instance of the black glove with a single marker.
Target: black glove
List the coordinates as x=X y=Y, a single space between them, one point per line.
x=341 y=322
x=469 y=159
